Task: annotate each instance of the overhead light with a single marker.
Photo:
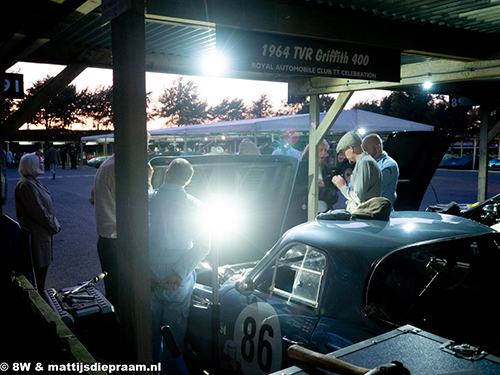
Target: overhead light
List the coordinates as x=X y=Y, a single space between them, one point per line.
x=361 y=131
x=427 y=85
x=26 y=143
x=214 y=64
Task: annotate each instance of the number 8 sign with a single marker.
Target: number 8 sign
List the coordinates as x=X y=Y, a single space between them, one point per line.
x=257 y=335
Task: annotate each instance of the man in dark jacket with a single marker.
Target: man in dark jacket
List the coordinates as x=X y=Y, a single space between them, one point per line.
x=73 y=153
x=52 y=159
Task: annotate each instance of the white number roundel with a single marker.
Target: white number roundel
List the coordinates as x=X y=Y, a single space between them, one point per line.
x=257 y=335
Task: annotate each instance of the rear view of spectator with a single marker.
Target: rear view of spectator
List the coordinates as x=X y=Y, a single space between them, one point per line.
x=35 y=212
x=52 y=159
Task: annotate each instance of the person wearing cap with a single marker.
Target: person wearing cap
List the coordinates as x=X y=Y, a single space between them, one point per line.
x=178 y=242
x=389 y=167
x=366 y=178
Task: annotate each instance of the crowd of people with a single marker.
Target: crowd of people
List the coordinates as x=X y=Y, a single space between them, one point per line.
x=56 y=156
x=178 y=243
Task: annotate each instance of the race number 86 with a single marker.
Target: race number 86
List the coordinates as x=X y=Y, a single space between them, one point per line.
x=258 y=334
x=264 y=360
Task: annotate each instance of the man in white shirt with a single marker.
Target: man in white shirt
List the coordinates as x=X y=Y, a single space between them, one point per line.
x=103 y=198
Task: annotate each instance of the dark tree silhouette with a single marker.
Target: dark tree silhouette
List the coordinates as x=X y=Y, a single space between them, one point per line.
x=228 y=110
x=261 y=107
x=181 y=104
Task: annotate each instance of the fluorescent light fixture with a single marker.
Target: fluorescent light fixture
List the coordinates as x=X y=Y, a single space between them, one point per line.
x=90 y=143
x=427 y=85
x=26 y=143
x=59 y=143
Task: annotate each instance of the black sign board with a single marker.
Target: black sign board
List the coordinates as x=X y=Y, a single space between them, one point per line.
x=461 y=102
x=14 y=86
x=252 y=51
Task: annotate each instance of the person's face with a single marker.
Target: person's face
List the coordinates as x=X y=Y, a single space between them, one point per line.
x=322 y=152
x=349 y=154
x=41 y=165
x=373 y=148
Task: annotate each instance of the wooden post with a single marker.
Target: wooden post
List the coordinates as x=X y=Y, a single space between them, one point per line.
x=317 y=131
x=482 y=183
x=314 y=120
x=129 y=100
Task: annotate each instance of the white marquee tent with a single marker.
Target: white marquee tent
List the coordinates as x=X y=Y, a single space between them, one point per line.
x=353 y=119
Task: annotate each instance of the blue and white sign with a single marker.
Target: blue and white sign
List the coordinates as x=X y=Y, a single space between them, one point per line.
x=13 y=86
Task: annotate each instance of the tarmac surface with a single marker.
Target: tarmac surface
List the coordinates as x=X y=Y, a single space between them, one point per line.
x=75 y=251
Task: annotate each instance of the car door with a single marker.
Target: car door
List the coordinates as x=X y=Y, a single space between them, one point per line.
x=256 y=330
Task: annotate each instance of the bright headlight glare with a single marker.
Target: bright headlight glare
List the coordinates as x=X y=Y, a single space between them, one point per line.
x=223 y=217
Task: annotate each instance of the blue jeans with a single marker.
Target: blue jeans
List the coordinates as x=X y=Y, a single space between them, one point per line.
x=172 y=309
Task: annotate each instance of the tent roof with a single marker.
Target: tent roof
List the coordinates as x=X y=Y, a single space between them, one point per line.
x=353 y=119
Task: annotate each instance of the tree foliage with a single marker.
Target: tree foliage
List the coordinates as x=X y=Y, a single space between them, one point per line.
x=325 y=102
x=60 y=112
x=261 y=107
x=181 y=104
x=98 y=106
x=8 y=107
x=425 y=108
x=228 y=110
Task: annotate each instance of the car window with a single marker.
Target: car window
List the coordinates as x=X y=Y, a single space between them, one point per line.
x=296 y=275
x=439 y=287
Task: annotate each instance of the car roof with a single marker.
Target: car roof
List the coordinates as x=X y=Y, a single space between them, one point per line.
x=374 y=238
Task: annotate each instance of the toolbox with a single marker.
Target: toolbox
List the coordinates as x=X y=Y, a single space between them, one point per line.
x=88 y=302
x=420 y=352
x=89 y=316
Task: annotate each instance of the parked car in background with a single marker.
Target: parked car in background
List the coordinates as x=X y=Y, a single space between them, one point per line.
x=328 y=284
x=464 y=162
x=494 y=163
x=97 y=161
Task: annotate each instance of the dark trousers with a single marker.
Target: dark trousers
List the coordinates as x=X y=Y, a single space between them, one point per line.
x=106 y=248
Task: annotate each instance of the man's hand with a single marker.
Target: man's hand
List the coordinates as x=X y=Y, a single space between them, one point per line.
x=172 y=282
x=150 y=173
x=338 y=181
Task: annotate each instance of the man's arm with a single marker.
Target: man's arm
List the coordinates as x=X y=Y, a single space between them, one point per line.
x=201 y=243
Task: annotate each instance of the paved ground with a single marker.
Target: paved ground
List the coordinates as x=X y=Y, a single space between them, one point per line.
x=75 y=254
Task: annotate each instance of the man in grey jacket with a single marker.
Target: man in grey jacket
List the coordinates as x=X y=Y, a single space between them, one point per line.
x=366 y=178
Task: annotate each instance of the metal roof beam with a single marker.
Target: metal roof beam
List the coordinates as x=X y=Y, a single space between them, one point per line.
x=439 y=71
x=355 y=27
x=19 y=46
x=32 y=105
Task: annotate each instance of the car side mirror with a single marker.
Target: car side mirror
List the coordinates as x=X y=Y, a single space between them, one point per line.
x=245 y=286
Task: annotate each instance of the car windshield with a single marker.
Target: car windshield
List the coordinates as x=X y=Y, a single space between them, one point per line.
x=296 y=275
x=448 y=288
